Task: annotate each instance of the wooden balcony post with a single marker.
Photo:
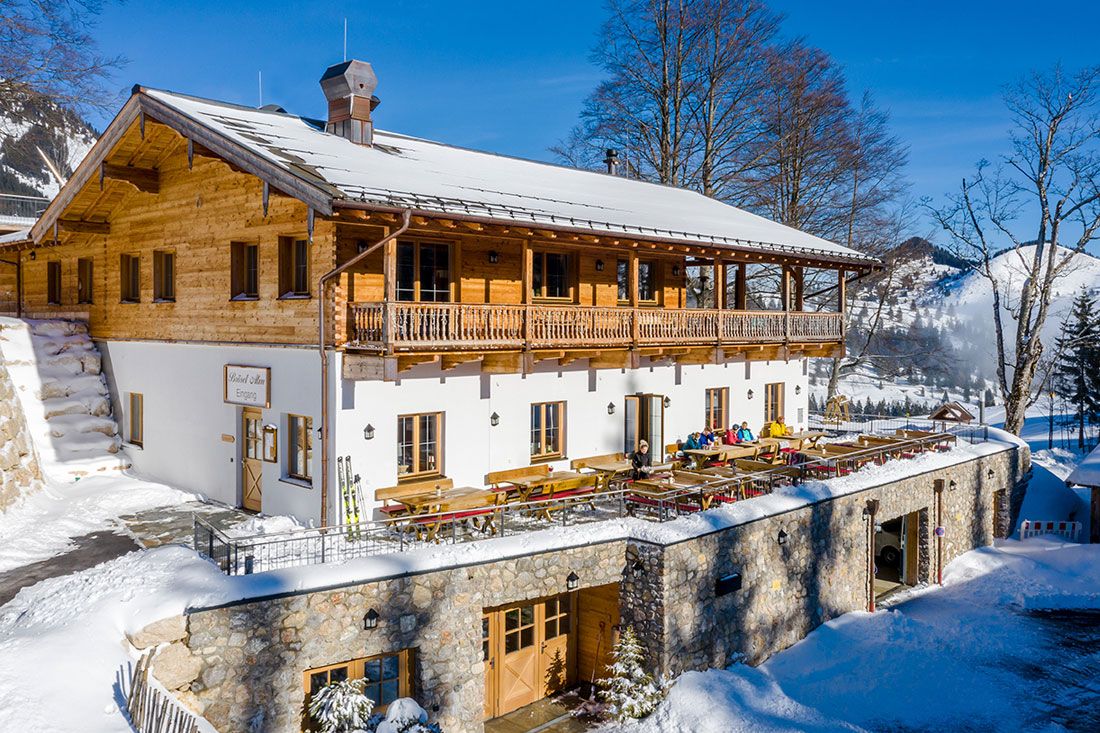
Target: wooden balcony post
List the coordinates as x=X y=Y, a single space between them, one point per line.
x=525 y=288
x=785 y=294
x=719 y=284
x=842 y=301
x=389 y=293
x=632 y=284
x=741 y=296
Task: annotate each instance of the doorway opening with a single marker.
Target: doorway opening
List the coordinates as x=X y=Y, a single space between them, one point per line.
x=897 y=554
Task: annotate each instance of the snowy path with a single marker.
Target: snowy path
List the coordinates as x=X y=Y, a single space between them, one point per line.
x=976 y=655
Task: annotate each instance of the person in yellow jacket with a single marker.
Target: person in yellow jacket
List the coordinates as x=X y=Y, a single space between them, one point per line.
x=779 y=428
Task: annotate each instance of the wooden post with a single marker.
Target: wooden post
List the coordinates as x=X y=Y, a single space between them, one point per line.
x=870 y=511
x=785 y=296
x=799 y=275
x=719 y=284
x=389 y=292
x=526 y=284
x=740 y=290
x=632 y=284
x=937 y=487
x=842 y=299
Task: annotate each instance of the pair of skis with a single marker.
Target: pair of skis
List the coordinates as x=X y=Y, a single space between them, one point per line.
x=352 y=492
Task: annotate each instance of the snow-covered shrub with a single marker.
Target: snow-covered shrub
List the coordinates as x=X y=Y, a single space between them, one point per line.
x=404 y=715
x=341 y=707
x=630 y=691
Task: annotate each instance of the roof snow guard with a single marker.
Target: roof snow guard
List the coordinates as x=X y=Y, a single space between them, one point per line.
x=328 y=172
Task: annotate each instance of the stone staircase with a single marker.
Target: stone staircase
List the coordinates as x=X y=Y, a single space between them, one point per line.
x=55 y=368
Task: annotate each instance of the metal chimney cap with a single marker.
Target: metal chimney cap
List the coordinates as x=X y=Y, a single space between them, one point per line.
x=347 y=79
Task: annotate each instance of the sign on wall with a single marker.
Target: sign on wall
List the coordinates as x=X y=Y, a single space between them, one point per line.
x=245 y=385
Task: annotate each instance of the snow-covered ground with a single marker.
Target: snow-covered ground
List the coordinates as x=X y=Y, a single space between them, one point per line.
x=978 y=654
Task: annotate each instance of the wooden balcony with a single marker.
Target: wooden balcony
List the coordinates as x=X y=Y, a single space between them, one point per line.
x=402 y=327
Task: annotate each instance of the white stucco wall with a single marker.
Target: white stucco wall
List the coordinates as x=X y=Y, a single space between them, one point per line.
x=472 y=447
x=185 y=415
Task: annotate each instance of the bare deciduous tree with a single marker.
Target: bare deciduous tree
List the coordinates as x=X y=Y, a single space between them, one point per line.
x=47 y=52
x=1052 y=179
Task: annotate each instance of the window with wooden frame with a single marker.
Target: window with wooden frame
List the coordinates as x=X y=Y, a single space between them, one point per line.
x=136 y=419
x=717 y=410
x=424 y=272
x=547 y=431
x=552 y=275
x=164 y=276
x=419 y=444
x=647 y=281
x=53 y=282
x=244 y=271
x=622 y=279
x=299 y=446
x=773 y=401
x=386 y=678
x=556 y=617
x=293 y=267
x=129 y=273
x=84 y=281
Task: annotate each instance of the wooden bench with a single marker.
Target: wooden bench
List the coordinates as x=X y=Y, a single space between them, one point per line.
x=496 y=478
x=578 y=463
x=392 y=493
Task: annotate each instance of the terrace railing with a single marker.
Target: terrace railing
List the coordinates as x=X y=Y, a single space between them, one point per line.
x=244 y=555
x=21 y=209
x=426 y=326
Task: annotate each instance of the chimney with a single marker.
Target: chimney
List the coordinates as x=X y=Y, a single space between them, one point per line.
x=612 y=161
x=349 y=89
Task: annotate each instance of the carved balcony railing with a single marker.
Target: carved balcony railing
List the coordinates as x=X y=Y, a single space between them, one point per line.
x=407 y=327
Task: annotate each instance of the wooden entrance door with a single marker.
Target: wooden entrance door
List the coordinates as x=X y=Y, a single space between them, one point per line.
x=251 y=459
x=528 y=653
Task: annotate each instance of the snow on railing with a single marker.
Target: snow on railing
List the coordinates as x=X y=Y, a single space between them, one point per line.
x=1067 y=530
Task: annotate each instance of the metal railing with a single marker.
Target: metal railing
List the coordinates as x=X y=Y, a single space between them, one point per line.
x=244 y=555
x=14 y=206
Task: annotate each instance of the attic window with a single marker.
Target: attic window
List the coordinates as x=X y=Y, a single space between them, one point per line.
x=293 y=267
x=129 y=271
x=244 y=271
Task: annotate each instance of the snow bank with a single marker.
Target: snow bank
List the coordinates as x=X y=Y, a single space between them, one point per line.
x=62 y=640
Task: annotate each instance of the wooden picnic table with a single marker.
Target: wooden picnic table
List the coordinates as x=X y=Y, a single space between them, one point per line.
x=609 y=470
x=548 y=483
x=798 y=440
x=682 y=485
x=724 y=452
x=430 y=511
x=927 y=436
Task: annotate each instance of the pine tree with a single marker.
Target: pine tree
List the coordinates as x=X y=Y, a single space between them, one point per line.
x=341 y=707
x=630 y=691
x=1077 y=369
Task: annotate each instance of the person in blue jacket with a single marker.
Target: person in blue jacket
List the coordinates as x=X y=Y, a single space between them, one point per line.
x=745 y=433
x=692 y=442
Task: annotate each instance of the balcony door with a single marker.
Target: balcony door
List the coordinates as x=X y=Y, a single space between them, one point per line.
x=645 y=420
x=424 y=272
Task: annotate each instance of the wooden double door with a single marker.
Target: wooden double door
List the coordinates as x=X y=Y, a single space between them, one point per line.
x=529 y=652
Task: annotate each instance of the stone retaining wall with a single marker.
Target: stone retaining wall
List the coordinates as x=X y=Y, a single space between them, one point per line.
x=19 y=471
x=244 y=663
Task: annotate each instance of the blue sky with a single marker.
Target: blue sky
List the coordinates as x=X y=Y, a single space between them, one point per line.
x=511 y=76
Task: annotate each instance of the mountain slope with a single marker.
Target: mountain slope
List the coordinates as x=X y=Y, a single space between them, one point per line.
x=37 y=129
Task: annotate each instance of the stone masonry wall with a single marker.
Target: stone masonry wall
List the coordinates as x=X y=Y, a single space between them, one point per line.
x=19 y=471
x=820 y=572
x=242 y=666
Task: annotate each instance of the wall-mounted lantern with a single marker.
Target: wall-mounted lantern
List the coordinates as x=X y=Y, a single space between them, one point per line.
x=989 y=474
x=637 y=567
x=668 y=402
x=798 y=389
x=599 y=265
x=368 y=432
x=493 y=257
x=782 y=537
x=370 y=621
x=610 y=408
x=750 y=394
x=571 y=581
x=494 y=419
x=952 y=486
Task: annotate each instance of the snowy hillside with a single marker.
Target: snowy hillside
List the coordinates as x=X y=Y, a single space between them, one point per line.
x=33 y=134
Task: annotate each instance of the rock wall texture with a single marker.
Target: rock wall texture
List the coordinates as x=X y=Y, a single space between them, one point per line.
x=245 y=666
x=19 y=471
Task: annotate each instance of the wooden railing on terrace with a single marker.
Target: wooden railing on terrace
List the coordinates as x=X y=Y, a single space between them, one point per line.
x=428 y=326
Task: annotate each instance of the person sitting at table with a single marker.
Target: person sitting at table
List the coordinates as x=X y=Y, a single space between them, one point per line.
x=706 y=438
x=745 y=435
x=641 y=463
x=731 y=435
x=692 y=442
x=779 y=428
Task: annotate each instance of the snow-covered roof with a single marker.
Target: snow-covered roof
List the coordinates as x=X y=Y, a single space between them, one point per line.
x=20 y=235
x=399 y=171
x=1087 y=472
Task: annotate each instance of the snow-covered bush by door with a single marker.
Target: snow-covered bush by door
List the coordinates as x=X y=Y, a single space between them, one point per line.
x=630 y=691
x=405 y=716
x=341 y=707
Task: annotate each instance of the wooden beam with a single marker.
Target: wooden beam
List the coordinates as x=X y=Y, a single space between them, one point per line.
x=508 y=362
x=618 y=359
x=146 y=180
x=450 y=361
x=572 y=356
x=84 y=227
x=408 y=361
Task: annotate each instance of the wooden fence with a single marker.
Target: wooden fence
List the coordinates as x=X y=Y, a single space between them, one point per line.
x=152 y=710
